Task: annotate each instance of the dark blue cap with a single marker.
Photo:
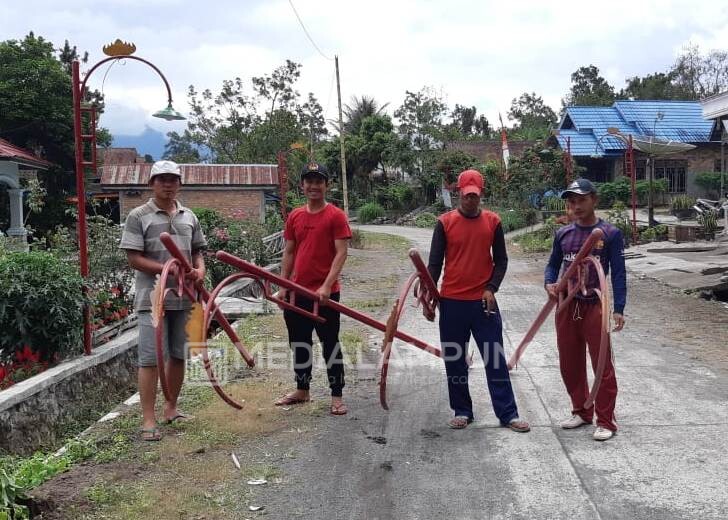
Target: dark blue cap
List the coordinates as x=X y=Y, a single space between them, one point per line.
x=580 y=187
x=314 y=168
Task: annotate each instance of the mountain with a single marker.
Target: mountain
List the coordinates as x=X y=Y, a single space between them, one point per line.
x=149 y=142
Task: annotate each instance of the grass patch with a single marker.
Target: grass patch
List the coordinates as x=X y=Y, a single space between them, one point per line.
x=384 y=242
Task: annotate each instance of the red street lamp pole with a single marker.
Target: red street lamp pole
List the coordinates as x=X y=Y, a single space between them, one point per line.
x=116 y=51
x=629 y=160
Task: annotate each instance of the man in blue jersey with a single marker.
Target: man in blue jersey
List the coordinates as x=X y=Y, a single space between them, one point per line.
x=580 y=324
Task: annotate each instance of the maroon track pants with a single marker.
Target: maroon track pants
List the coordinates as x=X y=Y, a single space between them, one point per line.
x=579 y=325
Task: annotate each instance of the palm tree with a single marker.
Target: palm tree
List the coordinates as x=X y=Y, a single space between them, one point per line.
x=359 y=109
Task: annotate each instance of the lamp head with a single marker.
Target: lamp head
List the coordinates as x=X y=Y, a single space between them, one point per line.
x=169 y=114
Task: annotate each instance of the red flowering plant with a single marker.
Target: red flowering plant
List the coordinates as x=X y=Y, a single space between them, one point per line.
x=25 y=363
x=109 y=306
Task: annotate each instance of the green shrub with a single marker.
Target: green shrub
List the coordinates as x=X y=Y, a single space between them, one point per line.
x=40 y=305
x=512 y=219
x=241 y=238
x=554 y=204
x=710 y=182
x=273 y=220
x=11 y=496
x=653 y=234
x=708 y=221
x=682 y=202
x=209 y=218
x=425 y=220
x=618 y=216
x=621 y=190
x=370 y=211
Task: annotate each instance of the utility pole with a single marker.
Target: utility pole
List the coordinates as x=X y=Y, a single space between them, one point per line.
x=341 y=142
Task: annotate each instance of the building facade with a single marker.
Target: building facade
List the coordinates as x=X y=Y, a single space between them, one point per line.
x=585 y=131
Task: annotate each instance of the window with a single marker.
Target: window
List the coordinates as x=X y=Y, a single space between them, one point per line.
x=674 y=172
x=716 y=166
x=640 y=169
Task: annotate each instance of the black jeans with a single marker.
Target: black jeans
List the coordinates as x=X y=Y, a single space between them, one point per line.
x=300 y=337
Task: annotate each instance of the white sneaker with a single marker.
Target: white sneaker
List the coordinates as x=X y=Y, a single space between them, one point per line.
x=602 y=434
x=574 y=422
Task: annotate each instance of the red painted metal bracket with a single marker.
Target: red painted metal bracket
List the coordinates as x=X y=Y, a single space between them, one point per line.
x=572 y=282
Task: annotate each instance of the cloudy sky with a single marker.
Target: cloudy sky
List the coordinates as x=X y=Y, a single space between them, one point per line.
x=481 y=53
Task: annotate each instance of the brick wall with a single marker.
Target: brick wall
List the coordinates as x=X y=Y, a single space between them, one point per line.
x=227 y=201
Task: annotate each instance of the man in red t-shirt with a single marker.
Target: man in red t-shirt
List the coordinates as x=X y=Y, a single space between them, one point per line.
x=471 y=243
x=317 y=237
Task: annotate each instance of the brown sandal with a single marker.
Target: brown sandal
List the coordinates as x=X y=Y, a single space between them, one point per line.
x=151 y=434
x=339 y=409
x=459 y=422
x=290 y=399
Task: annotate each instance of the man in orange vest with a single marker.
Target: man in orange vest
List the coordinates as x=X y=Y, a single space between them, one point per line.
x=471 y=242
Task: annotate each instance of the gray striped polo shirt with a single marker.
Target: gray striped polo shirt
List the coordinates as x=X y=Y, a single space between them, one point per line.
x=142 y=228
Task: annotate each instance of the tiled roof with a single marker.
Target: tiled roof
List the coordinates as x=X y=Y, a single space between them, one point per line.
x=14 y=153
x=681 y=121
x=195 y=174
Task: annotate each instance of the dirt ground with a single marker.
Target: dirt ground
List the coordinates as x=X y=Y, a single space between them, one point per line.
x=191 y=474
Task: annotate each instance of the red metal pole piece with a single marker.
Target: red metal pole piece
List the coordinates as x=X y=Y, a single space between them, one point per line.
x=562 y=285
x=633 y=177
x=283 y=182
x=168 y=242
x=262 y=274
x=578 y=267
x=81 y=201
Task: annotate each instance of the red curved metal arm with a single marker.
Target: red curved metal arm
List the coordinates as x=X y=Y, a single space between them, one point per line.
x=426 y=293
x=561 y=287
x=262 y=274
x=567 y=290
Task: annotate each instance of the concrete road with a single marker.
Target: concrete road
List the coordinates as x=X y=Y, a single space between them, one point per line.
x=669 y=460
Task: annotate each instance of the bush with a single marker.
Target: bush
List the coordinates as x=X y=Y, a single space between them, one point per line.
x=710 y=182
x=621 y=190
x=243 y=239
x=370 y=211
x=654 y=234
x=682 y=202
x=554 y=204
x=40 y=306
x=512 y=219
x=273 y=220
x=209 y=218
x=425 y=220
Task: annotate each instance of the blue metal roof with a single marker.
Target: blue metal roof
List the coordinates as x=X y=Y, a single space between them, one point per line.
x=681 y=121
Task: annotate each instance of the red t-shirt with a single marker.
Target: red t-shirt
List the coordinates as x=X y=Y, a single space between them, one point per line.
x=468 y=258
x=314 y=234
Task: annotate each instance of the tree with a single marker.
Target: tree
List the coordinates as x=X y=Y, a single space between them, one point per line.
x=180 y=148
x=589 y=88
x=467 y=124
x=659 y=85
x=359 y=109
x=532 y=115
x=234 y=127
x=37 y=113
x=698 y=76
x=374 y=145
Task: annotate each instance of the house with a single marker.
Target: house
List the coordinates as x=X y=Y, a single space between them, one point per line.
x=715 y=109
x=17 y=164
x=584 y=130
x=234 y=190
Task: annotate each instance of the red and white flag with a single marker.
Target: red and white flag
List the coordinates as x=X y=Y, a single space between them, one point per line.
x=504 y=144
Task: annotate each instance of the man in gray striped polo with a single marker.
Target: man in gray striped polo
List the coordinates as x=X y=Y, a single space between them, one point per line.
x=147 y=256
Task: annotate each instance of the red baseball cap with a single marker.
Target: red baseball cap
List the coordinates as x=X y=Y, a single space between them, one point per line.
x=470 y=181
